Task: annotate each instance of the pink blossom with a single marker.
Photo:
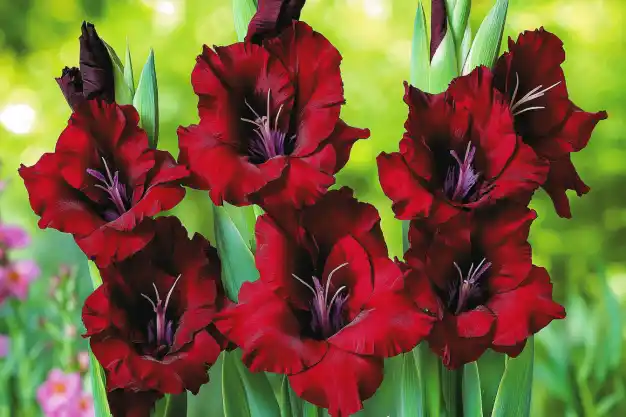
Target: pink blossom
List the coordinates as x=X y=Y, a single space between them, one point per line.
x=16 y=277
x=59 y=392
x=13 y=237
x=84 y=406
x=83 y=361
x=5 y=342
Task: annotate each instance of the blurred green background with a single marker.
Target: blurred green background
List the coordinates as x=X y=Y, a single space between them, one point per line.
x=578 y=370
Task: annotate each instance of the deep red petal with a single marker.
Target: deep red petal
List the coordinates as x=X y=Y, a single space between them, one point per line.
x=272 y=17
x=340 y=382
x=60 y=206
x=456 y=350
x=388 y=325
x=265 y=328
x=221 y=169
x=313 y=63
x=410 y=198
x=299 y=185
x=132 y=404
x=342 y=139
x=524 y=310
x=562 y=177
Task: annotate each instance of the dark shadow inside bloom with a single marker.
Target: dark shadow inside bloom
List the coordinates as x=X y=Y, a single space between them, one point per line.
x=457 y=172
x=118 y=199
x=525 y=101
x=154 y=317
x=468 y=283
x=326 y=315
x=265 y=138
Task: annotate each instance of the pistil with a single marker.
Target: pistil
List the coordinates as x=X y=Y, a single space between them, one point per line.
x=115 y=190
x=327 y=314
x=160 y=333
x=533 y=94
x=269 y=141
x=468 y=284
x=462 y=178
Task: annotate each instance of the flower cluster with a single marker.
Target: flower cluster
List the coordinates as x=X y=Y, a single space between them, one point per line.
x=61 y=395
x=15 y=275
x=469 y=162
x=329 y=305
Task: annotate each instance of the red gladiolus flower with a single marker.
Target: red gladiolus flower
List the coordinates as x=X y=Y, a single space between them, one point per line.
x=269 y=132
x=532 y=80
x=103 y=182
x=453 y=159
x=484 y=291
x=272 y=17
x=327 y=307
x=150 y=321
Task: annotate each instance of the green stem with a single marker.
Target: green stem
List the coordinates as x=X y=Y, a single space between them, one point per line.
x=452 y=388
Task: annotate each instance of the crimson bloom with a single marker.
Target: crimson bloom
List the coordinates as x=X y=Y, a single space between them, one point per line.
x=532 y=80
x=150 y=322
x=103 y=182
x=455 y=159
x=269 y=132
x=272 y=17
x=94 y=78
x=485 y=292
x=327 y=308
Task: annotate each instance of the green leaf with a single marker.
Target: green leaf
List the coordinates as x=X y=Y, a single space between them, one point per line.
x=123 y=94
x=514 y=393
x=443 y=66
x=244 y=219
x=245 y=393
x=486 y=45
x=420 y=53
x=94 y=273
x=146 y=101
x=290 y=404
x=466 y=44
x=172 y=406
x=210 y=393
x=411 y=394
x=459 y=19
x=430 y=373
x=98 y=386
x=451 y=387
x=237 y=260
x=472 y=401
x=614 y=321
x=243 y=11
x=309 y=410
x=128 y=71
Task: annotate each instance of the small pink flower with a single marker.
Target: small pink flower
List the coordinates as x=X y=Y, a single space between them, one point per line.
x=13 y=237
x=83 y=361
x=70 y=330
x=84 y=406
x=60 y=391
x=5 y=342
x=16 y=277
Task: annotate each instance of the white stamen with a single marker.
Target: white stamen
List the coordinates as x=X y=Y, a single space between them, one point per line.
x=330 y=277
x=531 y=95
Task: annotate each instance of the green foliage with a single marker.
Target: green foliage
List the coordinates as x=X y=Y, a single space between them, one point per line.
x=146 y=101
x=513 y=399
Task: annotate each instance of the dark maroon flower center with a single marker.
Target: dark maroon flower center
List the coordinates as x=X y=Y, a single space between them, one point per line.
x=462 y=183
x=326 y=309
x=267 y=140
x=160 y=329
x=115 y=190
x=468 y=291
x=517 y=107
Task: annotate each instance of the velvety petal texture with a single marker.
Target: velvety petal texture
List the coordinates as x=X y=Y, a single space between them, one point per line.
x=531 y=77
x=272 y=17
x=487 y=292
x=103 y=183
x=150 y=322
x=455 y=157
x=269 y=131
x=94 y=78
x=329 y=305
